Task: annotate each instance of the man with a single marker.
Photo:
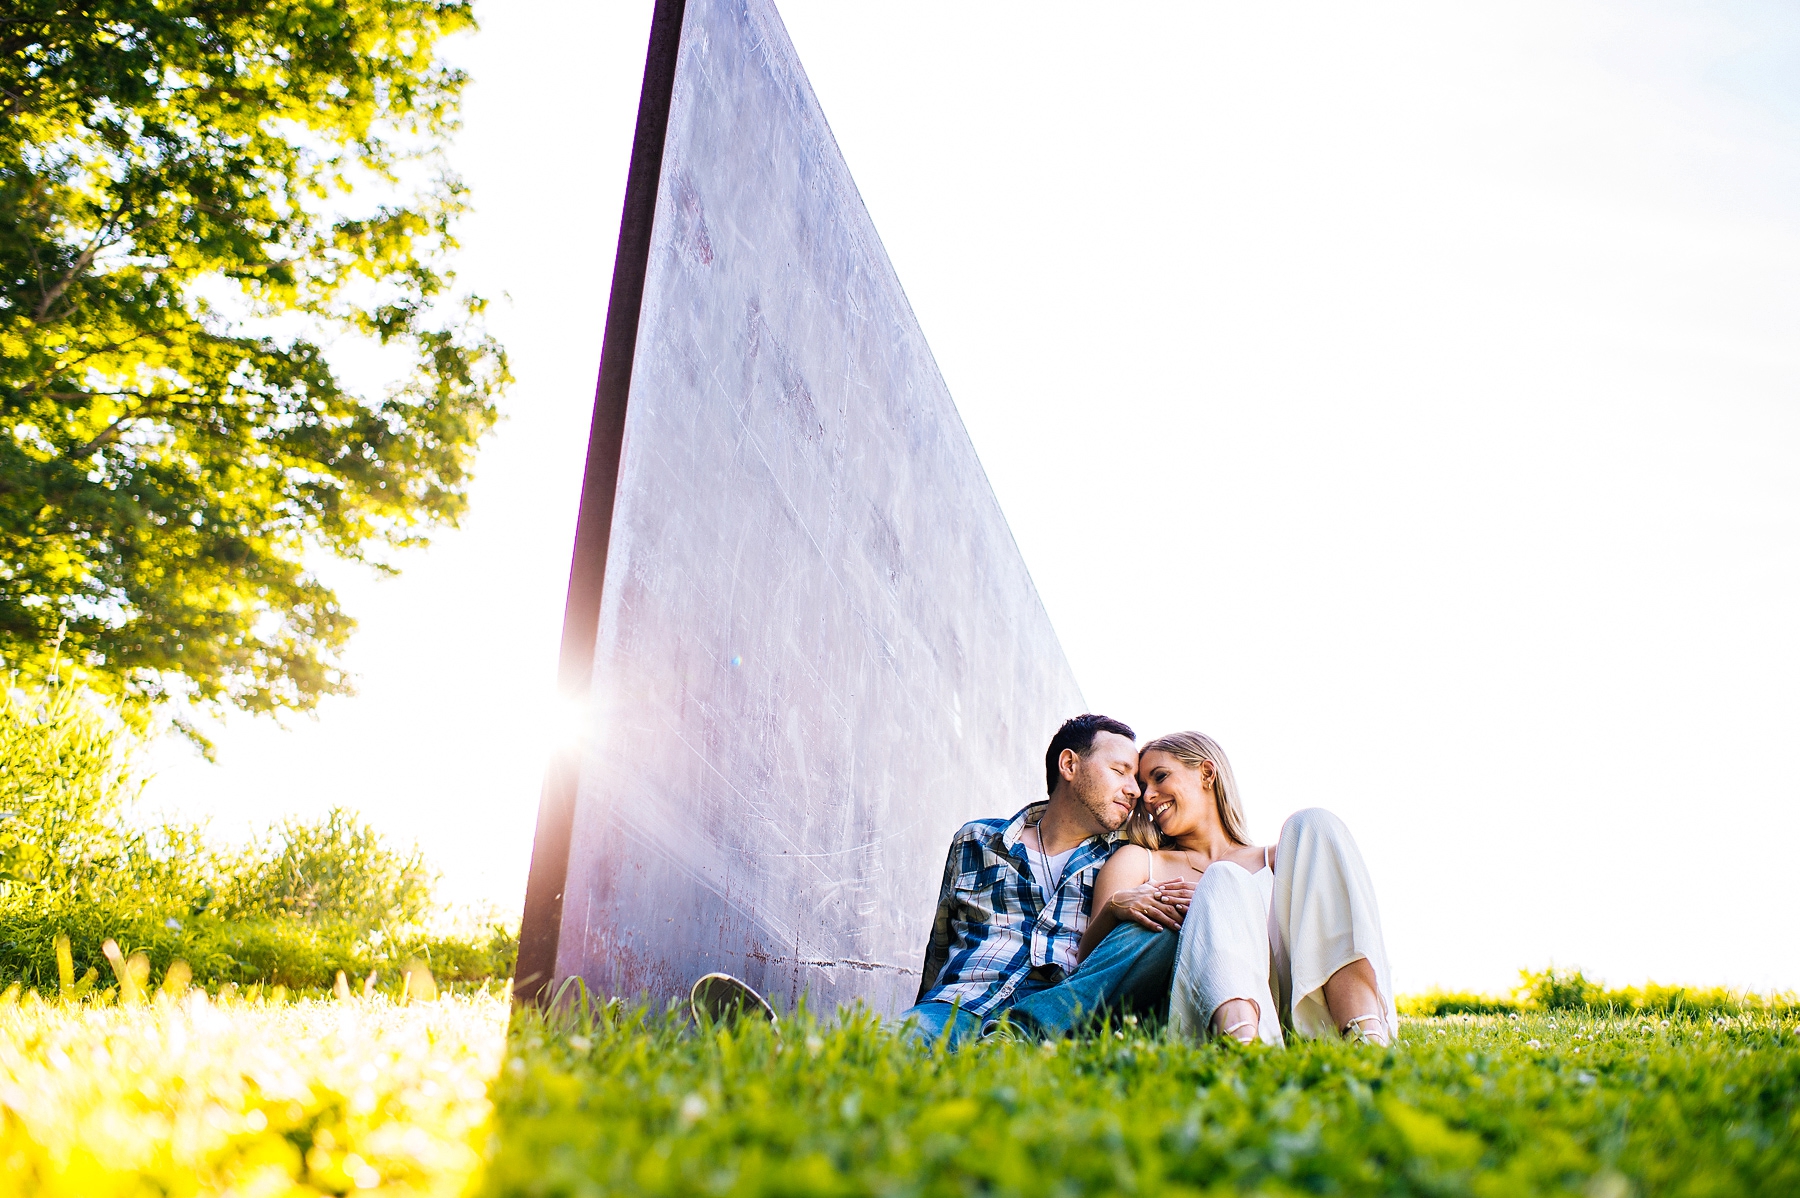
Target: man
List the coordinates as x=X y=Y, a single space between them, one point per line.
x=1016 y=898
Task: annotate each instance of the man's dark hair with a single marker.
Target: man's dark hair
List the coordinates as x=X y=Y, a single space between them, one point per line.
x=1078 y=734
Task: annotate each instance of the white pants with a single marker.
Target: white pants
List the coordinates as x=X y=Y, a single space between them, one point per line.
x=1278 y=955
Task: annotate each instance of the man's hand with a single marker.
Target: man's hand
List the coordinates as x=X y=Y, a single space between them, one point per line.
x=1158 y=906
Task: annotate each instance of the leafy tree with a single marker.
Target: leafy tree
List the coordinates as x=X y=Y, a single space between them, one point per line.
x=177 y=250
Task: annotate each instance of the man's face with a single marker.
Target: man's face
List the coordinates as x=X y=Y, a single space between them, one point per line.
x=1104 y=782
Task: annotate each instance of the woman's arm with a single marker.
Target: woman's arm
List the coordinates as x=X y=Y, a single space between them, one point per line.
x=1123 y=890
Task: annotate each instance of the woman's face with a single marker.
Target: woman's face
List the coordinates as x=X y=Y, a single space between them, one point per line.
x=1175 y=794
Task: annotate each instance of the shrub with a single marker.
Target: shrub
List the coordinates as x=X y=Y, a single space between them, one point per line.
x=336 y=870
x=1446 y=1002
x=1554 y=989
x=65 y=778
x=292 y=908
x=283 y=950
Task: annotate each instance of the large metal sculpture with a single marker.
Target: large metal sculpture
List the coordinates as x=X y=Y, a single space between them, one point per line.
x=807 y=645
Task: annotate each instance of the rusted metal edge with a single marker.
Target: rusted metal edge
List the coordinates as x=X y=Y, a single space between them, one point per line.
x=542 y=921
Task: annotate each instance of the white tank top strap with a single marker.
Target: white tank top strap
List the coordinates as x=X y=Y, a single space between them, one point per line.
x=1266 y=864
x=1265 y=882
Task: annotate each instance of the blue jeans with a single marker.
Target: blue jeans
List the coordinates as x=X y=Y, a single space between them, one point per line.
x=929 y=1019
x=1129 y=973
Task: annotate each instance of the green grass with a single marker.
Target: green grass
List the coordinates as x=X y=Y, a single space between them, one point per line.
x=1549 y=1103
x=201 y=1096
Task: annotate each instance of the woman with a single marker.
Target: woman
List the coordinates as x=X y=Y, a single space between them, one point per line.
x=1296 y=920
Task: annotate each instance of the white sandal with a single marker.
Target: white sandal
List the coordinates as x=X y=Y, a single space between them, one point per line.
x=1354 y=1031
x=1239 y=1024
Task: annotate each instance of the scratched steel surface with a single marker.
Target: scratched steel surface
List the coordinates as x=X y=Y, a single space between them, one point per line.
x=819 y=651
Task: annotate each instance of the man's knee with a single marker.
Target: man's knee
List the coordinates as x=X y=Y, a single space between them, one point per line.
x=1131 y=969
x=1129 y=941
x=1145 y=949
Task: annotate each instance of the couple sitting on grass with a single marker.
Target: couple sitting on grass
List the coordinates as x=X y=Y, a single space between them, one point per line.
x=1134 y=890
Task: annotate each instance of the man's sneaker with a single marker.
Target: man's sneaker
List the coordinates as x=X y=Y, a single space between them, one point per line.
x=722 y=998
x=1002 y=1031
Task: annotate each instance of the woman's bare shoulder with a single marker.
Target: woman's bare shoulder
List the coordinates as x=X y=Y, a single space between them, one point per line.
x=1128 y=860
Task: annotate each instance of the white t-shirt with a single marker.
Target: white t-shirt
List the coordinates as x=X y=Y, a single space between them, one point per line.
x=1048 y=870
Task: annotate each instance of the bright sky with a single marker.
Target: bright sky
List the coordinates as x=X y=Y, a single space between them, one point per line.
x=1406 y=394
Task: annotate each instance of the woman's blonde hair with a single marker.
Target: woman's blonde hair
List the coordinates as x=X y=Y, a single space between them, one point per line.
x=1191 y=748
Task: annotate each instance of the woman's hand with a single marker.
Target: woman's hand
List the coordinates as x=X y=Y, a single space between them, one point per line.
x=1154 y=905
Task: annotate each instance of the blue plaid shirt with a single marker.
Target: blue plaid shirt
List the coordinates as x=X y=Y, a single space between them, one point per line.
x=995 y=926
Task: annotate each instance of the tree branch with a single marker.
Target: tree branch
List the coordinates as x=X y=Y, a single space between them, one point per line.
x=112 y=432
x=107 y=436
x=66 y=366
x=82 y=262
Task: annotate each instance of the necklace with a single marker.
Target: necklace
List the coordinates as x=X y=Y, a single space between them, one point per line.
x=1188 y=856
x=1054 y=884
